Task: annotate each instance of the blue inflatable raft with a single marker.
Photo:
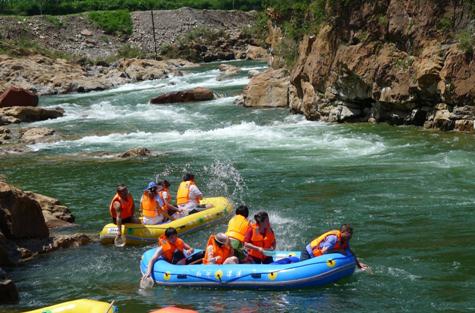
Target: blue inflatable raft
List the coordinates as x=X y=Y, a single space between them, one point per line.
x=319 y=271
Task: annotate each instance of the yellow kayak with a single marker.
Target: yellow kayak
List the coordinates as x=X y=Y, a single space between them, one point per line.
x=79 y=306
x=136 y=234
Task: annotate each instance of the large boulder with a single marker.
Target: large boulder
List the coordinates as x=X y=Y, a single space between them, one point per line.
x=139 y=152
x=14 y=96
x=227 y=71
x=37 y=134
x=256 y=53
x=29 y=114
x=55 y=213
x=20 y=216
x=268 y=89
x=196 y=94
x=68 y=241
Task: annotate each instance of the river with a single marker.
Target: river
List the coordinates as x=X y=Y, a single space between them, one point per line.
x=408 y=192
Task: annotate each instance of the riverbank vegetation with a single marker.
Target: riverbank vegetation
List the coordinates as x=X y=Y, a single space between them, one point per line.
x=62 y=7
x=113 y=22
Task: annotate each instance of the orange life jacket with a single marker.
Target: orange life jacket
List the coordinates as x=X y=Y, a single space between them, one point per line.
x=264 y=241
x=224 y=251
x=169 y=195
x=149 y=205
x=237 y=227
x=314 y=245
x=126 y=206
x=169 y=248
x=183 y=193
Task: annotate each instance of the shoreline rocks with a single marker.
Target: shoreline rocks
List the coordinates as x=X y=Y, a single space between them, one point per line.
x=46 y=76
x=24 y=231
x=8 y=290
x=26 y=114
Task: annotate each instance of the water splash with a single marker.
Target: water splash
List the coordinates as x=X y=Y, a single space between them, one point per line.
x=225 y=179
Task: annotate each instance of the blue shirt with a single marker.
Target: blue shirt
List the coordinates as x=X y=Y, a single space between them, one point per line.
x=329 y=242
x=159 y=200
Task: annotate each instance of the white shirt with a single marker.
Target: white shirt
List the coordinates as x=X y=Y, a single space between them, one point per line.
x=191 y=204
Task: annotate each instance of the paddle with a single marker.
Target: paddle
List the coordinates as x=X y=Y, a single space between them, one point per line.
x=271 y=253
x=110 y=307
x=120 y=241
x=146 y=282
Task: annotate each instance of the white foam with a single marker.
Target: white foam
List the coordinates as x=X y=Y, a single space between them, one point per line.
x=106 y=111
x=248 y=135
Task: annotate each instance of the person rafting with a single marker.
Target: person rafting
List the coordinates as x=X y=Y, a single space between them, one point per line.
x=333 y=241
x=237 y=228
x=153 y=207
x=219 y=251
x=260 y=237
x=171 y=248
x=122 y=208
x=189 y=195
x=165 y=196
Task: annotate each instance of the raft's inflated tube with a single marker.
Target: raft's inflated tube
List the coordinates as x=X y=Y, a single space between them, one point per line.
x=137 y=234
x=79 y=306
x=318 y=271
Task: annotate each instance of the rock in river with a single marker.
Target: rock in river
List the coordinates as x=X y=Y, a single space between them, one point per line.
x=196 y=94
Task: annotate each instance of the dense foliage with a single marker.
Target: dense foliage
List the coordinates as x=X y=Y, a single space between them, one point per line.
x=113 y=22
x=61 y=7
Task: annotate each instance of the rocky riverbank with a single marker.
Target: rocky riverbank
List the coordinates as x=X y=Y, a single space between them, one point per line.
x=26 y=219
x=385 y=61
x=44 y=75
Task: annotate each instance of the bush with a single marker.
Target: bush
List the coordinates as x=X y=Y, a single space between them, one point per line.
x=129 y=52
x=444 y=24
x=54 y=20
x=288 y=49
x=465 y=41
x=113 y=22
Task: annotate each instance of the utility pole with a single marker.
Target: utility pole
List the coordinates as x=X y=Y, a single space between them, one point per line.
x=154 y=39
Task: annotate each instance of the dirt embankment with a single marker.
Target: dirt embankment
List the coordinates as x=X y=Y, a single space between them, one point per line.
x=78 y=35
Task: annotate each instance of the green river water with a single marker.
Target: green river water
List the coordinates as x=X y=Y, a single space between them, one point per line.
x=408 y=192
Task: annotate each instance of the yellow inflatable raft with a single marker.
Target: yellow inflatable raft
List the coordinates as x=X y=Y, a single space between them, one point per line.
x=79 y=306
x=136 y=234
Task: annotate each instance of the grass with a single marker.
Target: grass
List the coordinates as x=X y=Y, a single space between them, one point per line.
x=444 y=24
x=466 y=41
x=26 y=46
x=112 y=22
x=382 y=20
x=129 y=52
x=54 y=20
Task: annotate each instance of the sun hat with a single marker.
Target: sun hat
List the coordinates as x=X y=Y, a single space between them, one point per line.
x=151 y=185
x=221 y=238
